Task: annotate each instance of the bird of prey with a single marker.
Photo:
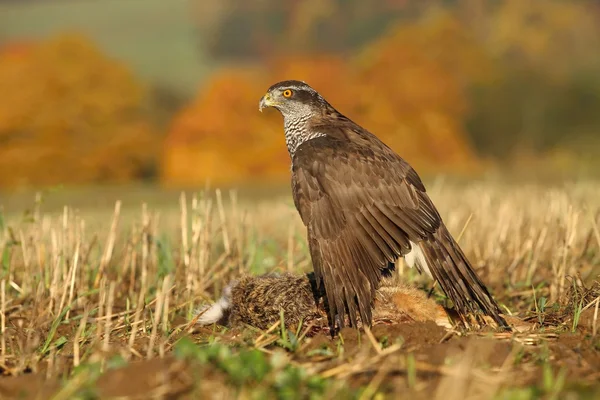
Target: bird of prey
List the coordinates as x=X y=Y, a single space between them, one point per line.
x=364 y=207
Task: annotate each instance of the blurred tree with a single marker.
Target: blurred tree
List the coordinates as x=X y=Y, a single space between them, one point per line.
x=409 y=88
x=543 y=51
x=416 y=79
x=554 y=36
x=70 y=114
x=234 y=30
x=334 y=76
x=221 y=137
x=549 y=80
x=164 y=102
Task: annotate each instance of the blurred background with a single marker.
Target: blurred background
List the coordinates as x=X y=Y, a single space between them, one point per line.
x=98 y=93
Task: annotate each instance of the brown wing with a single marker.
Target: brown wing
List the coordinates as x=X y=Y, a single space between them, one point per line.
x=362 y=207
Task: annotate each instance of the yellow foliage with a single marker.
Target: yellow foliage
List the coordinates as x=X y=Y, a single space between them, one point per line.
x=546 y=35
x=70 y=114
x=408 y=88
x=415 y=79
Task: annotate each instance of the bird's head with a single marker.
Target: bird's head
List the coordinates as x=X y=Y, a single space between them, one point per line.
x=292 y=98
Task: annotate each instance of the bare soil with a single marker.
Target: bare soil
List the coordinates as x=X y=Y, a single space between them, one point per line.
x=437 y=357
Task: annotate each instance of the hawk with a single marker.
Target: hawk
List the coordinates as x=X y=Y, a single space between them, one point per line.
x=364 y=207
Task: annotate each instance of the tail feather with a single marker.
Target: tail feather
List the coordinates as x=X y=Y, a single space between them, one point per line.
x=450 y=267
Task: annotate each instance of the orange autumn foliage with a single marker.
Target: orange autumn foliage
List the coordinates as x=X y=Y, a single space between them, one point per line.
x=415 y=80
x=70 y=114
x=323 y=72
x=223 y=138
x=218 y=137
x=409 y=88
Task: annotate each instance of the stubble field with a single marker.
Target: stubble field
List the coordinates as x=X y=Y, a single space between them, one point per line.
x=99 y=302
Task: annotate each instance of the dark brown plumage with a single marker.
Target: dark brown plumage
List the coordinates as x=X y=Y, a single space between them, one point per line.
x=363 y=207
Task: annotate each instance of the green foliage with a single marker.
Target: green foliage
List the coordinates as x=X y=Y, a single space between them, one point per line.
x=289 y=340
x=48 y=344
x=553 y=384
x=82 y=383
x=166 y=264
x=272 y=376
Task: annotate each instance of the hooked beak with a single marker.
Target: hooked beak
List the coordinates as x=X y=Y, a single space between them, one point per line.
x=265 y=102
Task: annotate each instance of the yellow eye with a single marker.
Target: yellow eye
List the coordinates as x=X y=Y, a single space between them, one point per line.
x=287 y=93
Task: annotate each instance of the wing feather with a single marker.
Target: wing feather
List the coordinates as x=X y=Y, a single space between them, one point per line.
x=353 y=233
x=363 y=206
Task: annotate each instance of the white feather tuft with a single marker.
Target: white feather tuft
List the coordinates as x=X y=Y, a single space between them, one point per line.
x=416 y=256
x=214 y=313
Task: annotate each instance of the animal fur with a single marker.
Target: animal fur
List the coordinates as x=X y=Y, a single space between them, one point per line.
x=258 y=301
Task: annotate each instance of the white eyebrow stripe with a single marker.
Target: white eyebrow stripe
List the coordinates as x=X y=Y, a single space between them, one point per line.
x=304 y=87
